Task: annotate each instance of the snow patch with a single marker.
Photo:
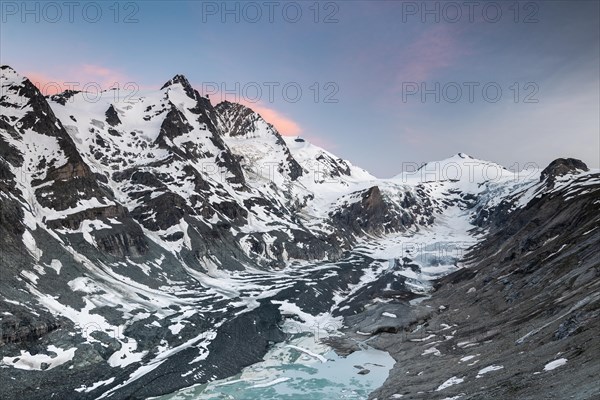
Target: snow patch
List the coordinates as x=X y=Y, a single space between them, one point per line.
x=450 y=382
x=555 y=364
x=489 y=369
x=28 y=361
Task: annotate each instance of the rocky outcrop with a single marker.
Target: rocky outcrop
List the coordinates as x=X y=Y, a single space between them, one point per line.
x=174 y=125
x=13 y=330
x=161 y=212
x=112 y=117
x=241 y=121
x=560 y=167
x=373 y=213
x=181 y=80
x=122 y=243
x=63 y=98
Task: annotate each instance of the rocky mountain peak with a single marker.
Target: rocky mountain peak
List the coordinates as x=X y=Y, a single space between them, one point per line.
x=265 y=144
x=7 y=71
x=181 y=80
x=463 y=155
x=26 y=104
x=240 y=120
x=13 y=83
x=560 y=167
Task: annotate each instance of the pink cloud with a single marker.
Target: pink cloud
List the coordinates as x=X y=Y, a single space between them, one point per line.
x=286 y=126
x=78 y=78
x=47 y=85
x=96 y=70
x=436 y=49
x=283 y=124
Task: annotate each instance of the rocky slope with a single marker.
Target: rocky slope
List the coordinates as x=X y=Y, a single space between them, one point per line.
x=160 y=241
x=521 y=320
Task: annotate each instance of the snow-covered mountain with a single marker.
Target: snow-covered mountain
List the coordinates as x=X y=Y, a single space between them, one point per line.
x=157 y=242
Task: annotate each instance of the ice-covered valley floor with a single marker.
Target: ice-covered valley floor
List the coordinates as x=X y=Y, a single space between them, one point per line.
x=303 y=367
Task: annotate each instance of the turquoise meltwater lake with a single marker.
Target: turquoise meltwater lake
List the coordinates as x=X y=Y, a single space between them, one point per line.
x=300 y=369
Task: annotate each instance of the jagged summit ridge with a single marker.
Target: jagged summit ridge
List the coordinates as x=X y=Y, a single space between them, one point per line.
x=185 y=84
x=240 y=120
x=177 y=79
x=9 y=74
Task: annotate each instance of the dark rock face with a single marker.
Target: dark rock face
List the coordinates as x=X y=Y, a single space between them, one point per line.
x=11 y=212
x=375 y=214
x=13 y=330
x=313 y=247
x=207 y=115
x=130 y=242
x=7 y=151
x=174 y=125
x=230 y=163
x=112 y=117
x=365 y=215
x=162 y=212
x=493 y=217
x=182 y=80
x=241 y=118
x=232 y=210
x=562 y=166
x=241 y=121
x=66 y=193
x=295 y=168
x=63 y=98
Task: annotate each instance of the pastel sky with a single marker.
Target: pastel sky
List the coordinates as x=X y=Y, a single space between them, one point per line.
x=361 y=67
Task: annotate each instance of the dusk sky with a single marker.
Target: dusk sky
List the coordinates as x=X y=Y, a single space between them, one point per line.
x=360 y=65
